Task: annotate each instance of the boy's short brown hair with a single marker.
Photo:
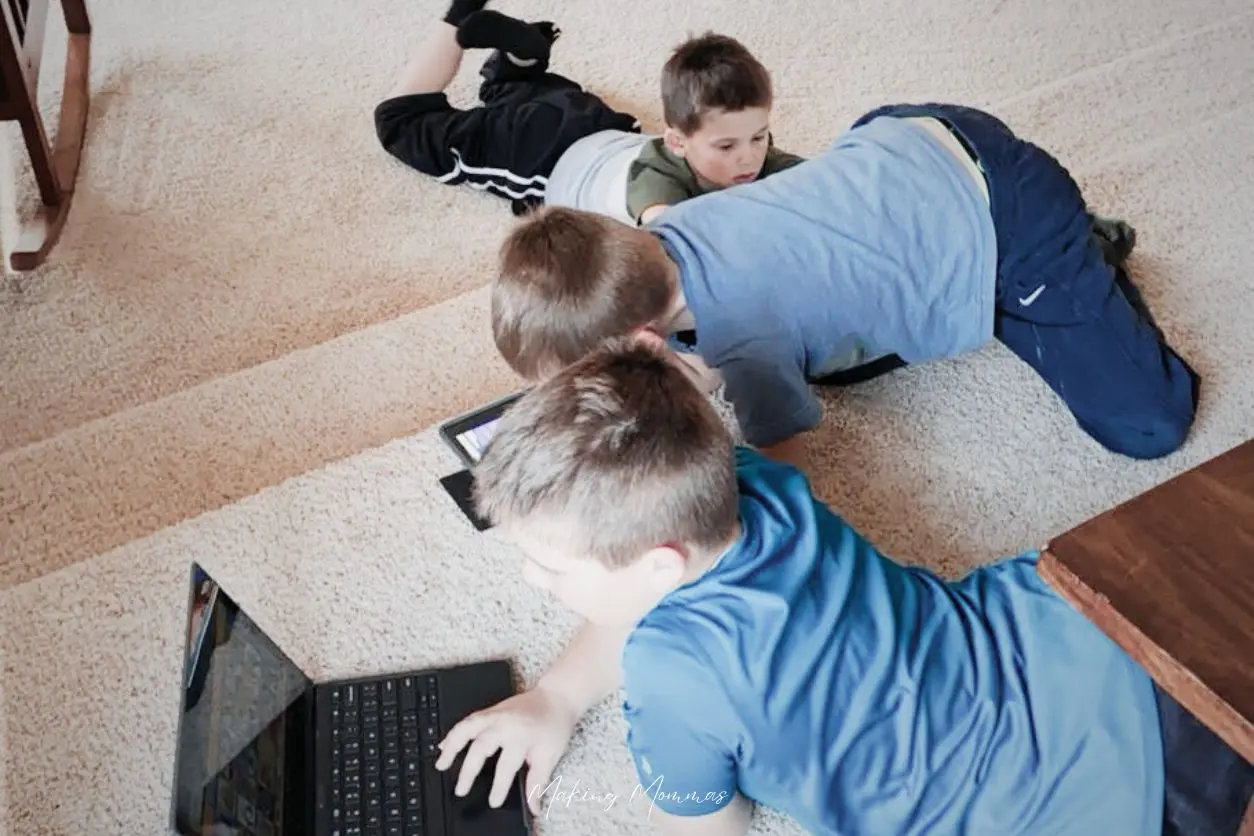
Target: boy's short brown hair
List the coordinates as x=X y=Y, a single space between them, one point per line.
x=617 y=454
x=567 y=281
x=711 y=72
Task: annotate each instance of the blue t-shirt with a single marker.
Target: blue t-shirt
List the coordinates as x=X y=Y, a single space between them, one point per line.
x=882 y=244
x=816 y=676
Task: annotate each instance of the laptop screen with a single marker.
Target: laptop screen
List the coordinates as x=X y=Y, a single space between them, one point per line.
x=241 y=745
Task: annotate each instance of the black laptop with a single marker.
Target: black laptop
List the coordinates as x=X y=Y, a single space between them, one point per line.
x=262 y=751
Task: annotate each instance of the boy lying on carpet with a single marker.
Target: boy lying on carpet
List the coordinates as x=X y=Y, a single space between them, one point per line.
x=541 y=138
x=920 y=234
x=770 y=654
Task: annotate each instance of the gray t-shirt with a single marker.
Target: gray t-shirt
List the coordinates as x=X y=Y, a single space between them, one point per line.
x=592 y=174
x=881 y=244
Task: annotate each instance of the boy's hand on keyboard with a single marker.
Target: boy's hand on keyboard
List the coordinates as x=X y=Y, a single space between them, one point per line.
x=533 y=727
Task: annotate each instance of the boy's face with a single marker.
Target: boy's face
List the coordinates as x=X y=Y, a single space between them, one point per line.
x=729 y=147
x=611 y=597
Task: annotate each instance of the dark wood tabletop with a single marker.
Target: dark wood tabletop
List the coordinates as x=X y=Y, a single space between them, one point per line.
x=1169 y=575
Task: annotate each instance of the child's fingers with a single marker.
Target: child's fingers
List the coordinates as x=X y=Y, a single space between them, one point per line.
x=465 y=731
x=478 y=753
x=507 y=767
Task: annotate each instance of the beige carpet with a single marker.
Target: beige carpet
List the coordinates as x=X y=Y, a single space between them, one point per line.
x=249 y=290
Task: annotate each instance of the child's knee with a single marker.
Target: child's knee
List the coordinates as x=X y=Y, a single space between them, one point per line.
x=1159 y=436
x=1157 y=429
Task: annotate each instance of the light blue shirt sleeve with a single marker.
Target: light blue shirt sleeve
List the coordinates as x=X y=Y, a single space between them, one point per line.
x=677 y=734
x=767 y=387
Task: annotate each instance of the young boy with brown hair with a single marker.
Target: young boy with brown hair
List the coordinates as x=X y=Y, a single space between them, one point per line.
x=768 y=653
x=922 y=233
x=540 y=138
x=716 y=101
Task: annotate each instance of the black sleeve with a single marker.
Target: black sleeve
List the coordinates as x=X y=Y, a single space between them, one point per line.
x=422 y=129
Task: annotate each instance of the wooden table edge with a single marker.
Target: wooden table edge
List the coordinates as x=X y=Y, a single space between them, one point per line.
x=1171 y=676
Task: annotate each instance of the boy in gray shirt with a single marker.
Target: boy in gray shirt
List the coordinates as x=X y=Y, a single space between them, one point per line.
x=540 y=138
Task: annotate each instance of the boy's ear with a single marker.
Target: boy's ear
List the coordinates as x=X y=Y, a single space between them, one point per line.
x=650 y=338
x=667 y=564
x=674 y=140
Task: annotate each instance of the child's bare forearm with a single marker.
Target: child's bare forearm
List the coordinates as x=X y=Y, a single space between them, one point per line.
x=790 y=451
x=652 y=212
x=588 y=670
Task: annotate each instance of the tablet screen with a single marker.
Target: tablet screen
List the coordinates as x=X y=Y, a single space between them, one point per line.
x=476 y=439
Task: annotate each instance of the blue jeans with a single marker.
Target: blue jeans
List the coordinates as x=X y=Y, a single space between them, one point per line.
x=1060 y=307
x=1208 y=784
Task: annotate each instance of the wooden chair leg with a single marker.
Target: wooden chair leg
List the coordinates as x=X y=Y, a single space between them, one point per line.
x=56 y=169
x=41 y=154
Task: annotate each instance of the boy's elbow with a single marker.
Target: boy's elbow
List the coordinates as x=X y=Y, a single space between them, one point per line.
x=733 y=819
x=790 y=451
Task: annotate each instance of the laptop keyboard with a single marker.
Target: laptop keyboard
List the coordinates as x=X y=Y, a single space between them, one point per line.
x=384 y=738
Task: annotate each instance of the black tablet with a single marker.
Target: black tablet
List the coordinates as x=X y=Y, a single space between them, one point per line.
x=460 y=486
x=468 y=434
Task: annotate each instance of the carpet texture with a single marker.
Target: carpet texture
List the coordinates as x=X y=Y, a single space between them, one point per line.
x=254 y=317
